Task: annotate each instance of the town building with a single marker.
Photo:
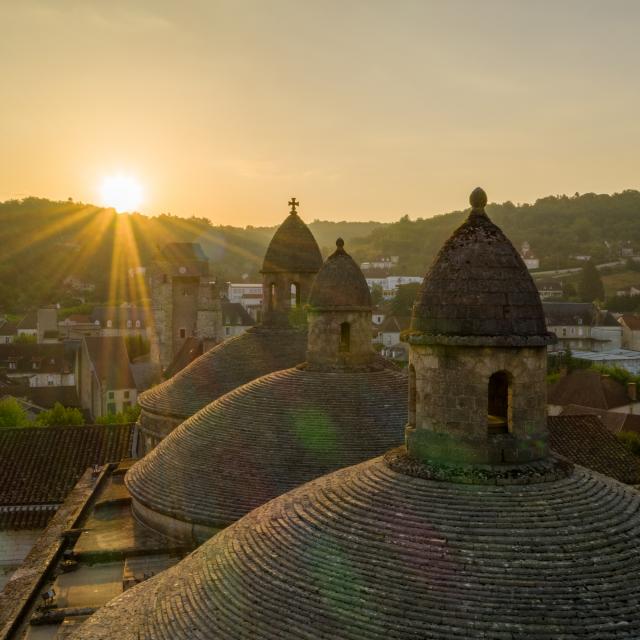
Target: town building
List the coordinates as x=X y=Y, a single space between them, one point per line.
x=622 y=358
x=390 y=284
x=582 y=326
x=185 y=302
x=8 y=331
x=124 y=320
x=39 y=365
x=388 y=333
x=278 y=342
x=549 y=288
x=630 y=323
x=107 y=385
x=235 y=319
x=249 y=295
x=382 y=263
x=529 y=259
x=473 y=529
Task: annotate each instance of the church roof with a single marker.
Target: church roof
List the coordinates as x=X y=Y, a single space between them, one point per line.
x=479 y=288
x=372 y=552
x=268 y=437
x=340 y=284
x=293 y=249
x=258 y=351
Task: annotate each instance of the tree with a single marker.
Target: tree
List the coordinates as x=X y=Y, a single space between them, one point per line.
x=12 y=414
x=377 y=295
x=127 y=416
x=590 y=287
x=402 y=303
x=59 y=416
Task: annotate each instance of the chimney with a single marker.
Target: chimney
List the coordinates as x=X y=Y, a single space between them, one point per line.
x=632 y=391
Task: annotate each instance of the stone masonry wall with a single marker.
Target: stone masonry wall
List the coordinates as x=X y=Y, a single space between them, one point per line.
x=324 y=337
x=451 y=404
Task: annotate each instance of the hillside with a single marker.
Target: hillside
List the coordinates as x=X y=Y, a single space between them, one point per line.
x=43 y=242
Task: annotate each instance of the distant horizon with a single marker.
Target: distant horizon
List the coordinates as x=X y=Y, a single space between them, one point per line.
x=365 y=110
x=311 y=220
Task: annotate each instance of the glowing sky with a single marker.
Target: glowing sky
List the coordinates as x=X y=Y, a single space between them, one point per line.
x=363 y=110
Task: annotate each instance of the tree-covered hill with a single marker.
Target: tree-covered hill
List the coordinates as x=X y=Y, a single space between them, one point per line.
x=43 y=242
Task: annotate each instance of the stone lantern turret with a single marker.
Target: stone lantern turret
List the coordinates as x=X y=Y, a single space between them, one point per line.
x=290 y=265
x=339 y=314
x=478 y=353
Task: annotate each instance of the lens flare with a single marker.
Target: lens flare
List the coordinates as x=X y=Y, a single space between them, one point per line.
x=121 y=192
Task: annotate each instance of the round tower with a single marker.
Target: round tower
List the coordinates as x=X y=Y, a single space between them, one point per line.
x=478 y=356
x=290 y=265
x=339 y=314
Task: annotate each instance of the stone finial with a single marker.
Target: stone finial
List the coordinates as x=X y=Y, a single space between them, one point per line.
x=293 y=203
x=340 y=244
x=478 y=199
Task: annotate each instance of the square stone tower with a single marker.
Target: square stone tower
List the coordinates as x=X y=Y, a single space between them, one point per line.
x=184 y=299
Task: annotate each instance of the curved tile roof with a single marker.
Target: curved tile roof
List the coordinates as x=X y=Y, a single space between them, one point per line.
x=258 y=351
x=478 y=285
x=293 y=249
x=270 y=436
x=340 y=284
x=372 y=553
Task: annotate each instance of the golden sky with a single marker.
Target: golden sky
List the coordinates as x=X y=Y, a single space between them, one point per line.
x=362 y=109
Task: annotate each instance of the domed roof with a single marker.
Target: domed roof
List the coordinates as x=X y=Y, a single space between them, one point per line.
x=258 y=351
x=293 y=249
x=370 y=552
x=340 y=284
x=270 y=436
x=478 y=286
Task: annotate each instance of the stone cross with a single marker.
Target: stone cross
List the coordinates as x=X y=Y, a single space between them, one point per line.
x=293 y=203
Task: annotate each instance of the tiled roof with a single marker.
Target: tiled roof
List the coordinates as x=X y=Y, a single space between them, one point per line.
x=120 y=317
x=30 y=321
x=28 y=358
x=269 y=436
x=570 y=313
x=191 y=349
x=258 y=351
x=586 y=441
x=40 y=465
x=233 y=313
x=393 y=324
x=8 y=329
x=589 y=389
x=47 y=396
x=369 y=553
x=110 y=361
x=631 y=320
x=614 y=421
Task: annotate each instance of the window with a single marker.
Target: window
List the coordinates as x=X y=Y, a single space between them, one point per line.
x=109 y=324
x=345 y=337
x=295 y=295
x=412 y=395
x=129 y=324
x=227 y=331
x=499 y=403
x=111 y=395
x=50 y=381
x=183 y=333
x=126 y=394
x=12 y=365
x=111 y=407
x=272 y=297
x=137 y=324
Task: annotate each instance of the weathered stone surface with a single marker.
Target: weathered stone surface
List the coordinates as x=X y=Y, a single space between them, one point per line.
x=368 y=553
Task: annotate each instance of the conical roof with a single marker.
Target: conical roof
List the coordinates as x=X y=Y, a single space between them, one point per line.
x=373 y=552
x=260 y=350
x=479 y=287
x=340 y=284
x=267 y=437
x=293 y=249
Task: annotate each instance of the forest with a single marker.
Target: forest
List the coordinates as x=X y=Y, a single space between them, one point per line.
x=43 y=242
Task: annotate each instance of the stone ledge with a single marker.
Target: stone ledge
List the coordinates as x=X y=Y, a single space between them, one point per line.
x=19 y=592
x=545 y=470
x=416 y=337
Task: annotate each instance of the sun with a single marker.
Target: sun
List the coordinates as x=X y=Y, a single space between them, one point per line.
x=122 y=192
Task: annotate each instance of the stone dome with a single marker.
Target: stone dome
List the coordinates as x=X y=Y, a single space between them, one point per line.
x=293 y=249
x=256 y=352
x=479 y=287
x=265 y=438
x=376 y=552
x=340 y=285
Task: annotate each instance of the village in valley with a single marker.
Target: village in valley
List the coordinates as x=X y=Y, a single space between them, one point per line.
x=393 y=406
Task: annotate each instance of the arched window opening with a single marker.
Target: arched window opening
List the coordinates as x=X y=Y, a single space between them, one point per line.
x=295 y=295
x=499 y=403
x=272 y=296
x=345 y=337
x=412 y=395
